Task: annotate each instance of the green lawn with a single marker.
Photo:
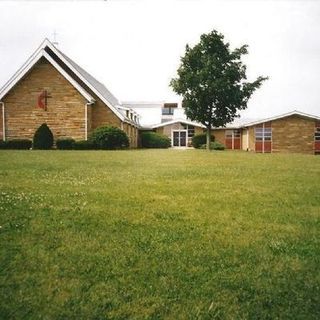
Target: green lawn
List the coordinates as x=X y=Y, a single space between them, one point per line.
x=159 y=234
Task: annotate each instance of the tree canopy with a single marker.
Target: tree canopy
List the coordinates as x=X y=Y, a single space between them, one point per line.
x=212 y=81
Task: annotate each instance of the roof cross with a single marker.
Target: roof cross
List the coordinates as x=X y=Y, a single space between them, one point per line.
x=55 y=42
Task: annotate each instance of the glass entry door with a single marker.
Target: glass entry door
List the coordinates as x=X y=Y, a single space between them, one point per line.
x=179 y=138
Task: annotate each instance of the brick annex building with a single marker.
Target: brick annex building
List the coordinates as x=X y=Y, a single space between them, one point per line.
x=51 y=88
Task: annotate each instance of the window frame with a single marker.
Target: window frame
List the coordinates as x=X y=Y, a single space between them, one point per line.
x=170 y=109
x=265 y=134
x=317 y=134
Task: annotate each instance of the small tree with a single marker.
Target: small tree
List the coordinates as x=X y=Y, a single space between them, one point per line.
x=43 y=138
x=211 y=80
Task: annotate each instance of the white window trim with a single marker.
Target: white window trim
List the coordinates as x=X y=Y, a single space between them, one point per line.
x=263 y=136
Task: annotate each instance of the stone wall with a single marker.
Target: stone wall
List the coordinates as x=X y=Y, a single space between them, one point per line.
x=103 y=115
x=65 y=113
x=132 y=133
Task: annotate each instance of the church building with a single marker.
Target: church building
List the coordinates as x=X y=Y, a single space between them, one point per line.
x=51 y=88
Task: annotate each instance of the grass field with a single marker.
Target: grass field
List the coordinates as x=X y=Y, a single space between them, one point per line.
x=159 y=234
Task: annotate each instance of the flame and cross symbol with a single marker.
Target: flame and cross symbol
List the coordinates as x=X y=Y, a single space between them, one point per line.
x=43 y=100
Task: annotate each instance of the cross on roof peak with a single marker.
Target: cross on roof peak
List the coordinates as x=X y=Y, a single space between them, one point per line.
x=55 y=42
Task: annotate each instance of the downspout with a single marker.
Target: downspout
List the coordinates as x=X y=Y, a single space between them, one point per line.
x=86 y=119
x=3 y=123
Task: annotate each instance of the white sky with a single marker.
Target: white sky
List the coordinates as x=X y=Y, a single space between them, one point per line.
x=134 y=47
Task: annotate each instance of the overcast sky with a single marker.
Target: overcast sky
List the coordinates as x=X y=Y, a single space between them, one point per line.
x=134 y=47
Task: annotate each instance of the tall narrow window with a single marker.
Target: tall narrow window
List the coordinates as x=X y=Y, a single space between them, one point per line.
x=317 y=134
x=190 y=131
x=232 y=139
x=263 y=137
x=317 y=138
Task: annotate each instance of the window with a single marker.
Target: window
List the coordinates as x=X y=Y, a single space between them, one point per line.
x=232 y=134
x=229 y=134
x=167 y=111
x=233 y=140
x=263 y=134
x=317 y=134
x=190 y=131
x=267 y=134
x=189 y=128
x=236 y=133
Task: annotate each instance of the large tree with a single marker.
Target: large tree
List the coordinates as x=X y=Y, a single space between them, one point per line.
x=212 y=82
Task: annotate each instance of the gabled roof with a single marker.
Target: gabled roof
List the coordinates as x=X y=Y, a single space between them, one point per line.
x=33 y=59
x=77 y=76
x=185 y=121
x=95 y=83
x=292 y=113
x=143 y=104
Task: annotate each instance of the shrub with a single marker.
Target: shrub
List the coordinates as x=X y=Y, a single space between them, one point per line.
x=22 y=144
x=154 y=140
x=65 y=143
x=200 y=139
x=83 y=145
x=213 y=146
x=17 y=144
x=216 y=146
x=43 y=138
x=109 y=138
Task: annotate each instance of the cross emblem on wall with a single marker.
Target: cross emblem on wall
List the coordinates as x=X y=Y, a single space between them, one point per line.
x=43 y=100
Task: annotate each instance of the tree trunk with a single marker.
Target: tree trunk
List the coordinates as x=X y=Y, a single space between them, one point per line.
x=208 y=137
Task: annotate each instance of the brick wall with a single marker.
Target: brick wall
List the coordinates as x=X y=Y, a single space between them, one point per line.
x=1 y=128
x=167 y=130
x=293 y=134
x=160 y=131
x=198 y=130
x=219 y=135
x=132 y=133
x=244 y=139
x=252 y=139
x=102 y=115
x=65 y=110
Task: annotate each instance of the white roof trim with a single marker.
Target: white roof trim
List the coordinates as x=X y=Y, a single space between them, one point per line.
x=21 y=69
x=31 y=62
x=109 y=104
x=292 y=113
x=35 y=57
x=70 y=79
x=163 y=124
